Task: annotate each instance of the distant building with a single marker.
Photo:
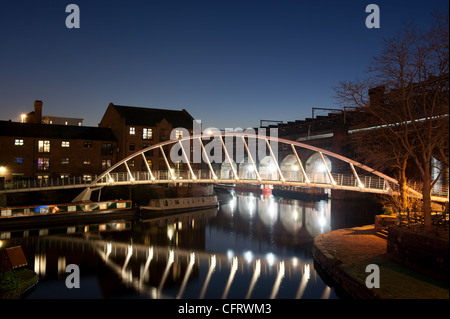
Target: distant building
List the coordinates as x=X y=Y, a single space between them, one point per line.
x=30 y=149
x=49 y=119
x=37 y=117
x=137 y=128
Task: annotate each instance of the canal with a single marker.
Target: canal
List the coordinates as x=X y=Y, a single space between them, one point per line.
x=250 y=247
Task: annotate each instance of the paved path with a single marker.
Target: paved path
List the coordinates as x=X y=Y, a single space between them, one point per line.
x=344 y=254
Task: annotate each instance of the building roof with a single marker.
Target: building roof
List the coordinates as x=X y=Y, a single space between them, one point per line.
x=142 y=116
x=16 y=129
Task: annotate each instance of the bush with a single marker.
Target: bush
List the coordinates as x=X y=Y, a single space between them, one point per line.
x=9 y=281
x=387 y=210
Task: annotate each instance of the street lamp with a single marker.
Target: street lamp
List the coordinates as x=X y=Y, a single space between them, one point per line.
x=23 y=118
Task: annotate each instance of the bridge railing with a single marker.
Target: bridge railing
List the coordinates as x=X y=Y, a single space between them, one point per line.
x=315 y=180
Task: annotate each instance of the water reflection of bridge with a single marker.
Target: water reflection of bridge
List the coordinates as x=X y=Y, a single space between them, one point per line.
x=134 y=264
x=169 y=263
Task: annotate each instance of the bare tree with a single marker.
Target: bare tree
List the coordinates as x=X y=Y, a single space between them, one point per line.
x=406 y=93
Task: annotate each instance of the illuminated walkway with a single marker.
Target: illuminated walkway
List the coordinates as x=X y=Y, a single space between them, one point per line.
x=318 y=171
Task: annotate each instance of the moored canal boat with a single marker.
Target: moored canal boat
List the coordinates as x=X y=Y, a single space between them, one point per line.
x=175 y=205
x=65 y=213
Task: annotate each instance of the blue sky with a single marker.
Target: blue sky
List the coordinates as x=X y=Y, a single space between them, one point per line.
x=230 y=63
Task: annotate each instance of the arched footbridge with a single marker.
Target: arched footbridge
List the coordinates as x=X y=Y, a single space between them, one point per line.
x=238 y=158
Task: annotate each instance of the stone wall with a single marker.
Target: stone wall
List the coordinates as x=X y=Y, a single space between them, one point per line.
x=426 y=253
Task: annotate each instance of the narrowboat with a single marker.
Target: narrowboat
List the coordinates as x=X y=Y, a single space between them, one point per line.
x=175 y=205
x=66 y=213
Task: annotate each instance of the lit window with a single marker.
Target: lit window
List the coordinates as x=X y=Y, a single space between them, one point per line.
x=131 y=163
x=64 y=160
x=65 y=144
x=18 y=160
x=147 y=134
x=132 y=130
x=178 y=134
x=150 y=164
x=106 y=164
x=87 y=144
x=18 y=142
x=43 y=164
x=87 y=178
x=44 y=146
x=87 y=161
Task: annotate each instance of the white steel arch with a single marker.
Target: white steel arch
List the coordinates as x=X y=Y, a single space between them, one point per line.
x=368 y=180
x=358 y=177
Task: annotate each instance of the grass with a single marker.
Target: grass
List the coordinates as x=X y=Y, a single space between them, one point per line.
x=13 y=283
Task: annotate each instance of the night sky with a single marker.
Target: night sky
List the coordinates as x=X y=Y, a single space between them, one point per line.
x=230 y=63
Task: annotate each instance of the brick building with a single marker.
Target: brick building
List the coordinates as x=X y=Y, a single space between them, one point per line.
x=36 y=150
x=33 y=148
x=137 y=128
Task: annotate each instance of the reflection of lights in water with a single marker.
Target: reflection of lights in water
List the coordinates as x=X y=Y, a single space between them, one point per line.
x=294 y=262
x=322 y=221
x=307 y=272
x=248 y=256
x=272 y=209
x=230 y=254
x=276 y=285
x=170 y=232
x=232 y=204
x=270 y=257
x=251 y=206
x=108 y=250
x=295 y=214
x=256 y=273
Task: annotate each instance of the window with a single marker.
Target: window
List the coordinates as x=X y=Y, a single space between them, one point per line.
x=18 y=142
x=87 y=161
x=65 y=144
x=44 y=146
x=132 y=130
x=178 y=134
x=43 y=164
x=107 y=149
x=18 y=160
x=131 y=163
x=64 y=161
x=150 y=163
x=87 y=144
x=106 y=164
x=132 y=147
x=147 y=134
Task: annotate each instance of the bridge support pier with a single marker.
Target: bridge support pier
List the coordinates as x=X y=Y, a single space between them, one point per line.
x=85 y=195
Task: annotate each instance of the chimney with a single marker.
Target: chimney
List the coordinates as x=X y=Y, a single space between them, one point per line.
x=37 y=112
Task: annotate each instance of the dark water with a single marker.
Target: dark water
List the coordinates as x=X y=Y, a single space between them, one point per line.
x=251 y=247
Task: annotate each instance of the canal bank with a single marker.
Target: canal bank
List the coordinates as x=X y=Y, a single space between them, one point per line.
x=344 y=255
